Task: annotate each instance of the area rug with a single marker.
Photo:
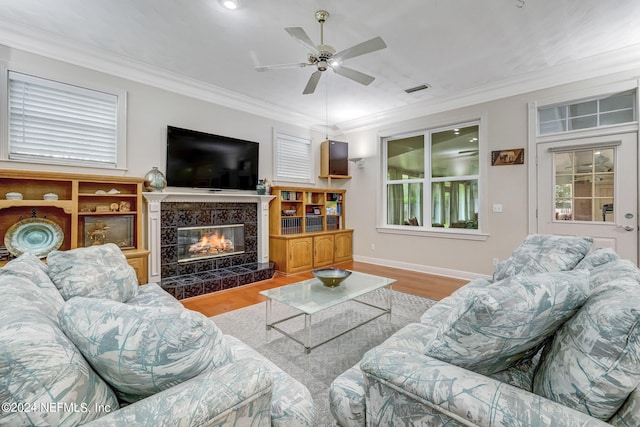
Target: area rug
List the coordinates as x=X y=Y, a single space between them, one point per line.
x=318 y=369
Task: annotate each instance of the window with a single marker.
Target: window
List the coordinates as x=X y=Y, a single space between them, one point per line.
x=609 y=110
x=292 y=158
x=54 y=122
x=584 y=185
x=441 y=166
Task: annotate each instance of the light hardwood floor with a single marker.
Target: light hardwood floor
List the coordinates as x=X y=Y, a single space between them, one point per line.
x=412 y=282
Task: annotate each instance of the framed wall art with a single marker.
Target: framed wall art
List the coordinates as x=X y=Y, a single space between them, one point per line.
x=513 y=156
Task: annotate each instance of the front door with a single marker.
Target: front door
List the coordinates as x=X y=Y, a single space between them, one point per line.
x=589 y=187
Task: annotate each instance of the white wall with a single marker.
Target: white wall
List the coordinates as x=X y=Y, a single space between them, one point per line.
x=150 y=110
x=506 y=126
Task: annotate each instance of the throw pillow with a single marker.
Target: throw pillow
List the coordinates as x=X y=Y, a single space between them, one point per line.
x=97 y=272
x=592 y=364
x=540 y=253
x=496 y=326
x=437 y=313
x=612 y=271
x=152 y=295
x=34 y=270
x=142 y=350
x=40 y=366
x=597 y=258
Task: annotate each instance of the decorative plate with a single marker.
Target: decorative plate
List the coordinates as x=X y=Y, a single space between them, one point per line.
x=37 y=236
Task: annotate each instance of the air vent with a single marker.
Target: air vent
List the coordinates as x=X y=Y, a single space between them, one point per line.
x=417 y=88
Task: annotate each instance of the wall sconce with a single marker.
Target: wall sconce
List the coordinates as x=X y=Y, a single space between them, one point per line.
x=358 y=161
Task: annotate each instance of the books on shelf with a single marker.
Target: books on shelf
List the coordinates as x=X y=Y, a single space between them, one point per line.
x=313 y=223
x=291 y=225
x=333 y=222
x=333 y=208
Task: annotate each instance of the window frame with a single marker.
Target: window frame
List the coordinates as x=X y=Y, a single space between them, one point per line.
x=597 y=115
x=428 y=230
x=120 y=116
x=279 y=135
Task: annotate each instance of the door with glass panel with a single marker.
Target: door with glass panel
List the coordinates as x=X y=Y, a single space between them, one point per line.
x=589 y=187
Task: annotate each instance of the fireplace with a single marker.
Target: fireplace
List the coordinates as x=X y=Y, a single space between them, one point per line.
x=186 y=265
x=210 y=241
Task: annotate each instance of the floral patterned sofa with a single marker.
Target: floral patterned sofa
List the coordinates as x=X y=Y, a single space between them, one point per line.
x=552 y=339
x=82 y=343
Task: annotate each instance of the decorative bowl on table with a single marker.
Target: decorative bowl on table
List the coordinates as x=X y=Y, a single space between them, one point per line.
x=331 y=277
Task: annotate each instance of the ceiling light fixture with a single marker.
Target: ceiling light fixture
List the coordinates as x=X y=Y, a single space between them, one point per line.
x=230 y=4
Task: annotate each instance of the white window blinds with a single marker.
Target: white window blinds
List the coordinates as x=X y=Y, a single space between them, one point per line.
x=292 y=158
x=60 y=123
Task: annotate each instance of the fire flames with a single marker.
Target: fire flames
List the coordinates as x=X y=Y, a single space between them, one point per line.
x=211 y=244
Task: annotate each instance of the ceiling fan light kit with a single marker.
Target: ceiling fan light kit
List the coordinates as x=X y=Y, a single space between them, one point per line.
x=324 y=56
x=230 y=4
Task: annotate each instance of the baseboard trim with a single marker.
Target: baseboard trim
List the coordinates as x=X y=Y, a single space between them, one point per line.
x=457 y=274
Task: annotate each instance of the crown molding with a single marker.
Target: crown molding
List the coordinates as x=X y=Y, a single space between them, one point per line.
x=609 y=63
x=59 y=48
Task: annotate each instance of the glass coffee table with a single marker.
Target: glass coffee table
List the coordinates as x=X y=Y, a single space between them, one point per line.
x=311 y=296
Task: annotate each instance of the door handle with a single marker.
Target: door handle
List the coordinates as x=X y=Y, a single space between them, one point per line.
x=628 y=228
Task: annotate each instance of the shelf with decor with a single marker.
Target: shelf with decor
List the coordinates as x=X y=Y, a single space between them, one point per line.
x=307 y=228
x=84 y=209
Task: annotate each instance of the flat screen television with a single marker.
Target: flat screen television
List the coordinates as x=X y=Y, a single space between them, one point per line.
x=202 y=160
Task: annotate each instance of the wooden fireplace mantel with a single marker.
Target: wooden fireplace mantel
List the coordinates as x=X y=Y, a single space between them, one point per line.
x=154 y=220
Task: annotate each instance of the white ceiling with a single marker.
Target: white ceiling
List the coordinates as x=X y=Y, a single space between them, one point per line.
x=463 y=49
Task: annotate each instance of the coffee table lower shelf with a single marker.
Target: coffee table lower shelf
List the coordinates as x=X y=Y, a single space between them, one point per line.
x=306 y=342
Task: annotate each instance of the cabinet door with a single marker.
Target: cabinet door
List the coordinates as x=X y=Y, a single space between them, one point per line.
x=323 y=250
x=139 y=264
x=300 y=253
x=344 y=250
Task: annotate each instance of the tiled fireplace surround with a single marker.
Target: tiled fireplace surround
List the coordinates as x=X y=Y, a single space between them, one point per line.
x=167 y=211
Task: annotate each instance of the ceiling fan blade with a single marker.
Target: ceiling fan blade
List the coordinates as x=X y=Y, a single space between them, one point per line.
x=301 y=37
x=312 y=83
x=354 y=75
x=360 y=49
x=281 y=66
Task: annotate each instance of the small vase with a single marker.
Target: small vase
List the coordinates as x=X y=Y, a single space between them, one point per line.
x=260 y=188
x=154 y=180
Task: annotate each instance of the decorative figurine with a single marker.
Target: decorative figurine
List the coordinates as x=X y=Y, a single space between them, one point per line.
x=125 y=206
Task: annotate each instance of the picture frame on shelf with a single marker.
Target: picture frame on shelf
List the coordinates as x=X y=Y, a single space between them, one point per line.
x=119 y=230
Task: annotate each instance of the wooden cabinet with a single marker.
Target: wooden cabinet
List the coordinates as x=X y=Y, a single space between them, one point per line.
x=334 y=162
x=343 y=246
x=307 y=228
x=291 y=255
x=90 y=209
x=138 y=260
x=334 y=158
x=323 y=249
x=297 y=210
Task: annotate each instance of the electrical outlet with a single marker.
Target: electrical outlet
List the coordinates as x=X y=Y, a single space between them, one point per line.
x=373 y=246
x=497 y=207
x=496 y=261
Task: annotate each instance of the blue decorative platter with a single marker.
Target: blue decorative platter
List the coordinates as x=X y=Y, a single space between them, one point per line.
x=36 y=236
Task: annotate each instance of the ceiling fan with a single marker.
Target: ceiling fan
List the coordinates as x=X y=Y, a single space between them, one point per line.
x=324 y=56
